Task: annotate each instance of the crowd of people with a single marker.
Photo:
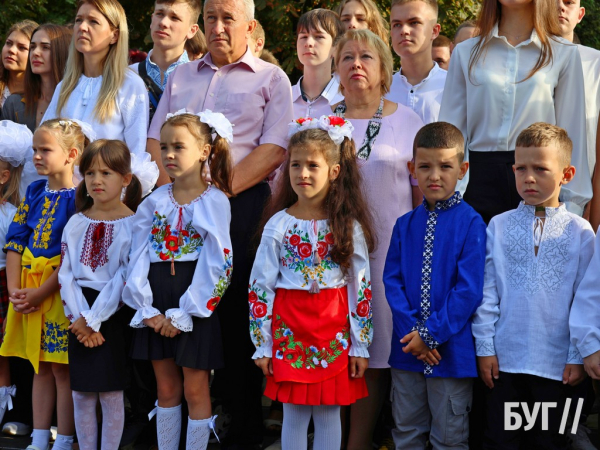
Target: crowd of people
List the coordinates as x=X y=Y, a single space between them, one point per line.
x=181 y=227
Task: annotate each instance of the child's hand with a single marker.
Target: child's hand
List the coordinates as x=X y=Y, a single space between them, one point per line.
x=265 y=364
x=26 y=301
x=79 y=326
x=432 y=358
x=154 y=321
x=591 y=364
x=573 y=374
x=358 y=366
x=416 y=346
x=488 y=369
x=94 y=339
x=166 y=328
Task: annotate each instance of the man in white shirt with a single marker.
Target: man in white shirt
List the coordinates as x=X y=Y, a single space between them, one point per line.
x=419 y=84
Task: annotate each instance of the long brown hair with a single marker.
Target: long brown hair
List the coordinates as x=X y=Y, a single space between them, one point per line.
x=344 y=203
x=117 y=157
x=219 y=159
x=375 y=21
x=26 y=27
x=545 y=23
x=60 y=39
x=9 y=192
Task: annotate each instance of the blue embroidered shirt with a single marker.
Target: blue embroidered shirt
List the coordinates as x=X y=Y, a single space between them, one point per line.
x=40 y=219
x=154 y=71
x=433 y=279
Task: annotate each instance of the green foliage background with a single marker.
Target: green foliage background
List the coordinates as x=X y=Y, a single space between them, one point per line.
x=278 y=17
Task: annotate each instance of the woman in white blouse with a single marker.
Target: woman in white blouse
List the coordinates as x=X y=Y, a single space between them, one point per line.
x=515 y=73
x=98 y=86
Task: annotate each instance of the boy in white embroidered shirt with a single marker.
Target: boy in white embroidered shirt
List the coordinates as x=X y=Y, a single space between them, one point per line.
x=536 y=257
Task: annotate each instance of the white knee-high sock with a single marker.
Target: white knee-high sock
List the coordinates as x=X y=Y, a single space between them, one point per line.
x=40 y=438
x=168 y=427
x=198 y=433
x=113 y=418
x=86 y=422
x=63 y=442
x=6 y=394
x=328 y=427
x=295 y=426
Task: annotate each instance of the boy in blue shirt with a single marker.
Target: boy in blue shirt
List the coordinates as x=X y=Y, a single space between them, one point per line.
x=433 y=280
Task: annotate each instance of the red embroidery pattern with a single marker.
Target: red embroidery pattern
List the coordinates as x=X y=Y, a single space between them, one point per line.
x=98 y=239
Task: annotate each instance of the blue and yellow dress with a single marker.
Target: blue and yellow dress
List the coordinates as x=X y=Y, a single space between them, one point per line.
x=36 y=233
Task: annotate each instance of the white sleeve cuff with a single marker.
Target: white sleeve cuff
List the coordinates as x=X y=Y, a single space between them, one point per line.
x=263 y=352
x=358 y=351
x=180 y=319
x=147 y=312
x=92 y=321
x=485 y=347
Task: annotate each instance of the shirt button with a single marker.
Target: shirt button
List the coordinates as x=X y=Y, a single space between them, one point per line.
x=218 y=74
x=411 y=91
x=212 y=94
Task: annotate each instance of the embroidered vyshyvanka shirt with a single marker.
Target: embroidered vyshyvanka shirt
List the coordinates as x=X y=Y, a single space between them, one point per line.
x=40 y=220
x=7 y=212
x=524 y=316
x=286 y=259
x=94 y=255
x=167 y=232
x=433 y=281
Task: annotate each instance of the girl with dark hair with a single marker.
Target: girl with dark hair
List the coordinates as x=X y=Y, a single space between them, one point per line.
x=310 y=289
x=181 y=265
x=48 y=53
x=95 y=254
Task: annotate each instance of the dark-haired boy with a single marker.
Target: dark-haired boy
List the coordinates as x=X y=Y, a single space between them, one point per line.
x=173 y=23
x=433 y=281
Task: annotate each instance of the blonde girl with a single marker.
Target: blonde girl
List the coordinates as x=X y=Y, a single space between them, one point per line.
x=14 y=59
x=181 y=265
x=36 y=327
x=98 y=87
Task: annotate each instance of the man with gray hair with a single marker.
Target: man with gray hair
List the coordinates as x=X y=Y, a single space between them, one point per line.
x=257 y=98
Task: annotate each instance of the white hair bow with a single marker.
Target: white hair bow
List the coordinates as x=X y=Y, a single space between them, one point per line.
x=217 y=121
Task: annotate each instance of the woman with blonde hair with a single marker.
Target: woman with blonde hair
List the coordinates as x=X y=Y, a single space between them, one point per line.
x=363 y=15
x=98 y=87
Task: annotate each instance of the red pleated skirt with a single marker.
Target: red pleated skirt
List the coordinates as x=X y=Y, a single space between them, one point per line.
x=311 y=339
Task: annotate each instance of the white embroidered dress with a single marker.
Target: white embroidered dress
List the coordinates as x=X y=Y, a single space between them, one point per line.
x=524 y=315
x=165 y=231
x=94 y=254
x=285 y=261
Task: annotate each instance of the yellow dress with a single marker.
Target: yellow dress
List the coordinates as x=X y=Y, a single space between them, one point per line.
x=36 y=233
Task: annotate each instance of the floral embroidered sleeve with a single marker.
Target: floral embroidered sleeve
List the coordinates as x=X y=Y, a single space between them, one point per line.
x=212 y=275
x=137 y=293
x=488 y=313
x=18 y=231
x=359 y=297
x=261 y=291
x=70 y=292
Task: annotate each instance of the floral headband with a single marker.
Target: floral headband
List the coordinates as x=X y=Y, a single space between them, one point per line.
x=337 y=127
x=86 y=128
x=217 y=122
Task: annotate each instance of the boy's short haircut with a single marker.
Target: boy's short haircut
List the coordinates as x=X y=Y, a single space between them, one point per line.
x=440 y=135
x=195 y=7
x=258 y=33
x=323 y=19
x=542 y=134
x=465 y=24
x=431 y=3
x=442 y=41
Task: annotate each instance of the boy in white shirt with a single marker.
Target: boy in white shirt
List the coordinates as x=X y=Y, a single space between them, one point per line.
x=441 y=50
x=536 y=256
x=419 y=84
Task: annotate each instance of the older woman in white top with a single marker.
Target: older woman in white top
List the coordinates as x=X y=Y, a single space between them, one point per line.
x=384 y=133
x=510 y=76
x=98 y=86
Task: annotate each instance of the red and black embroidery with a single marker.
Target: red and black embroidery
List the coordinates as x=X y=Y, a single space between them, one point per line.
x=98 y=239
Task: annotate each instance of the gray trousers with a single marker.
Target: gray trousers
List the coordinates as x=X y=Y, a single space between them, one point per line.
x=434 y=409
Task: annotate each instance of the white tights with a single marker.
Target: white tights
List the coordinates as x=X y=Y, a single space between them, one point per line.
x=328 y=427
x=86 y=424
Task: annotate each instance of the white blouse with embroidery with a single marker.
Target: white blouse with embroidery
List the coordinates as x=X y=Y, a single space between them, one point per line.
x=286 y=260
x=7 y=213
x=94 y=254
x=164 y=232
x=524 y=314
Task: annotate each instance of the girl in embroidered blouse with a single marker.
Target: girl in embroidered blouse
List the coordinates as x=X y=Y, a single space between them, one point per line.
x=310 y=288
x=95 y=253
x=36 y=327
x=181 y=265
x=15 y=141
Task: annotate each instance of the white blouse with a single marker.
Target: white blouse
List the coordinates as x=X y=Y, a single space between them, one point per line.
x=7 y=213
x=130 y=120
x=524 y=314
x=285 y=260
x=94 y=254
x=164 y=232
x=493 y=105
x=590 y=61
